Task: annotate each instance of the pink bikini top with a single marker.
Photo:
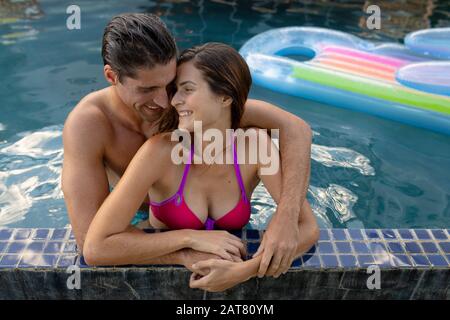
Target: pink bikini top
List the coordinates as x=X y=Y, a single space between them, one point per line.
x=176 y=214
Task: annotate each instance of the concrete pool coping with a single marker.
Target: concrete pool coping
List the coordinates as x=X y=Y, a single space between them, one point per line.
x=413 y=264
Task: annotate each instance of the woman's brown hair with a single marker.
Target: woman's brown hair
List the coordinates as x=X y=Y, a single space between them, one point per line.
x=226 y=73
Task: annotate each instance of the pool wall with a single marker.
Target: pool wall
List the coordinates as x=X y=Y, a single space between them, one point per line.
x=413 y=264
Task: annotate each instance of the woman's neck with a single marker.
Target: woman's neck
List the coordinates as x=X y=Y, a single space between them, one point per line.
x=220 y=141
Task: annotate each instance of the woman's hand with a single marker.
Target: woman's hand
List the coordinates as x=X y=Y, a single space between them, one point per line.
x=215 y=275
x=221 y=243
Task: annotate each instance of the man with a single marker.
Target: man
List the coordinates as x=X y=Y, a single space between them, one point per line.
x=105 y=130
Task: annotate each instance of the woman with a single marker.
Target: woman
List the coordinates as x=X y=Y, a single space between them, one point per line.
x=212 y=86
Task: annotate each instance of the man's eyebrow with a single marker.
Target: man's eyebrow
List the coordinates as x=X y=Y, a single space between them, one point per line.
x=185 y=82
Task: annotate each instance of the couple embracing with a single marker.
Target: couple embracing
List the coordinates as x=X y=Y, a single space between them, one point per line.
x=120 y=175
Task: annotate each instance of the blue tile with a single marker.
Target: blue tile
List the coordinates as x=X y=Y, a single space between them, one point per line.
x=384 y=260
x=81 y=262
x=59 y=234
x=413 y=247
x=71 y=235
x=348 y=260
x=326 y=247
x=5 y=234
x=41 y=234
x=253 y=234
x=311 y=261
x=445 y=246
x=252 y=247
x=53 y=247
x=16 y=247
x=372 y=234
x=395 y=247
x=66 y=260
x=70 y=247
x=22 y=234
x=339 y=234
x=360 y=247
x=405 y=234
x=388 y=234
x=36 y=246
x=429 y=247
x=45 y=260
x=356 y=234
x=8 y=261
x=296 y=263
x=329 y=261
x=365 y=260
x=402 y=260
x=343 y=247
x=420 y=260
x=312 y=250
x=237 y=233
x=377 y=247
x=437 y=260
x=3 y=246
x=324 y=235
x=422 y=234
x=439 y=234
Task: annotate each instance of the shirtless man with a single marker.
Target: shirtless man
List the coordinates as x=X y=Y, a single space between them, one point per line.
x=107 y=127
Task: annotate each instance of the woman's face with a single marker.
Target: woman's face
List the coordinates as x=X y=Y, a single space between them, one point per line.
x=194 y=100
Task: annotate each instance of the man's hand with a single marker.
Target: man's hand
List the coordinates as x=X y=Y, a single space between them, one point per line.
x=215 y=275
x=278 y=246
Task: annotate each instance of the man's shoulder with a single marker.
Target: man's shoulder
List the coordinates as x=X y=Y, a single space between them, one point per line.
x=88 y=121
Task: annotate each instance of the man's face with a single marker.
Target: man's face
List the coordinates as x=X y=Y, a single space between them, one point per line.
x=147 y=92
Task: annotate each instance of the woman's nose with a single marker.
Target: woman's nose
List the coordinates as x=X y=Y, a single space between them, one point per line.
x=176 y=101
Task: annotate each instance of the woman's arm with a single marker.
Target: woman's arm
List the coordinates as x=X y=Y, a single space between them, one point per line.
x=110 y=238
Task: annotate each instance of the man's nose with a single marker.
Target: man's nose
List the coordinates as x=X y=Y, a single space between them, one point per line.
x=162 y=100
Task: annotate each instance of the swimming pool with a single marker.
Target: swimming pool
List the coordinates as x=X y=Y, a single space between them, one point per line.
x=366 y=172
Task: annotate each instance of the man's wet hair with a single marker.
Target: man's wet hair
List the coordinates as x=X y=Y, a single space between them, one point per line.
x=135 y=40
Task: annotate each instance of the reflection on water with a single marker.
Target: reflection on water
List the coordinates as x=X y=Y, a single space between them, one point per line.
x=17 y=13
x=30 y=171
x=341 y=157
x=365 y=172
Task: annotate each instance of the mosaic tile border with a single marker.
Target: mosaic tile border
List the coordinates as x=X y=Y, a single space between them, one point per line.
x=336 y=248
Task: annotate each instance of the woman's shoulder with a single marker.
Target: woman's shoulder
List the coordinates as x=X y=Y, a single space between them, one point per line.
x=159 y=145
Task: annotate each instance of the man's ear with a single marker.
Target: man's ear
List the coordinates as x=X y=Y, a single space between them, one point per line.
x=110 y=75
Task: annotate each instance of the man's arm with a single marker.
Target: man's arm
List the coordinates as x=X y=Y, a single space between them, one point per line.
x=280 y=239
x=295 y=149
x=84 y=181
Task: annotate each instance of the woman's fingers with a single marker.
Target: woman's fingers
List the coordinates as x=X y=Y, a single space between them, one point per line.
x=238 y=244
x=232 y=249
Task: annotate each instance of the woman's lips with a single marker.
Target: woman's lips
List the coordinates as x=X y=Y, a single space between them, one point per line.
x=185 y=113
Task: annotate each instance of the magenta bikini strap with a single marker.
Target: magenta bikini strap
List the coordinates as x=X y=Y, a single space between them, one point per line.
x=186 y=171
x=238 y=170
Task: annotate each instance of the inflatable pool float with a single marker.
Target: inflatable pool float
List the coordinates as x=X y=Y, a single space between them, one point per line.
x=407 y=83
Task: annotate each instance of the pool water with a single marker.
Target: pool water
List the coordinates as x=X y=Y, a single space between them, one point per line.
x=366 y=172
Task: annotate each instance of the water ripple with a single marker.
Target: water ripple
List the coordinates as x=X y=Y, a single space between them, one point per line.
x=338 y=199
x=30 y=171
x=342 y=157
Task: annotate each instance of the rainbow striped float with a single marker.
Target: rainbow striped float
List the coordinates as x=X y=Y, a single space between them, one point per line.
x=407 y=83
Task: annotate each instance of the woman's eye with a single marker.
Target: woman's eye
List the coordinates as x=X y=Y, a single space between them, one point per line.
x=188 y=89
